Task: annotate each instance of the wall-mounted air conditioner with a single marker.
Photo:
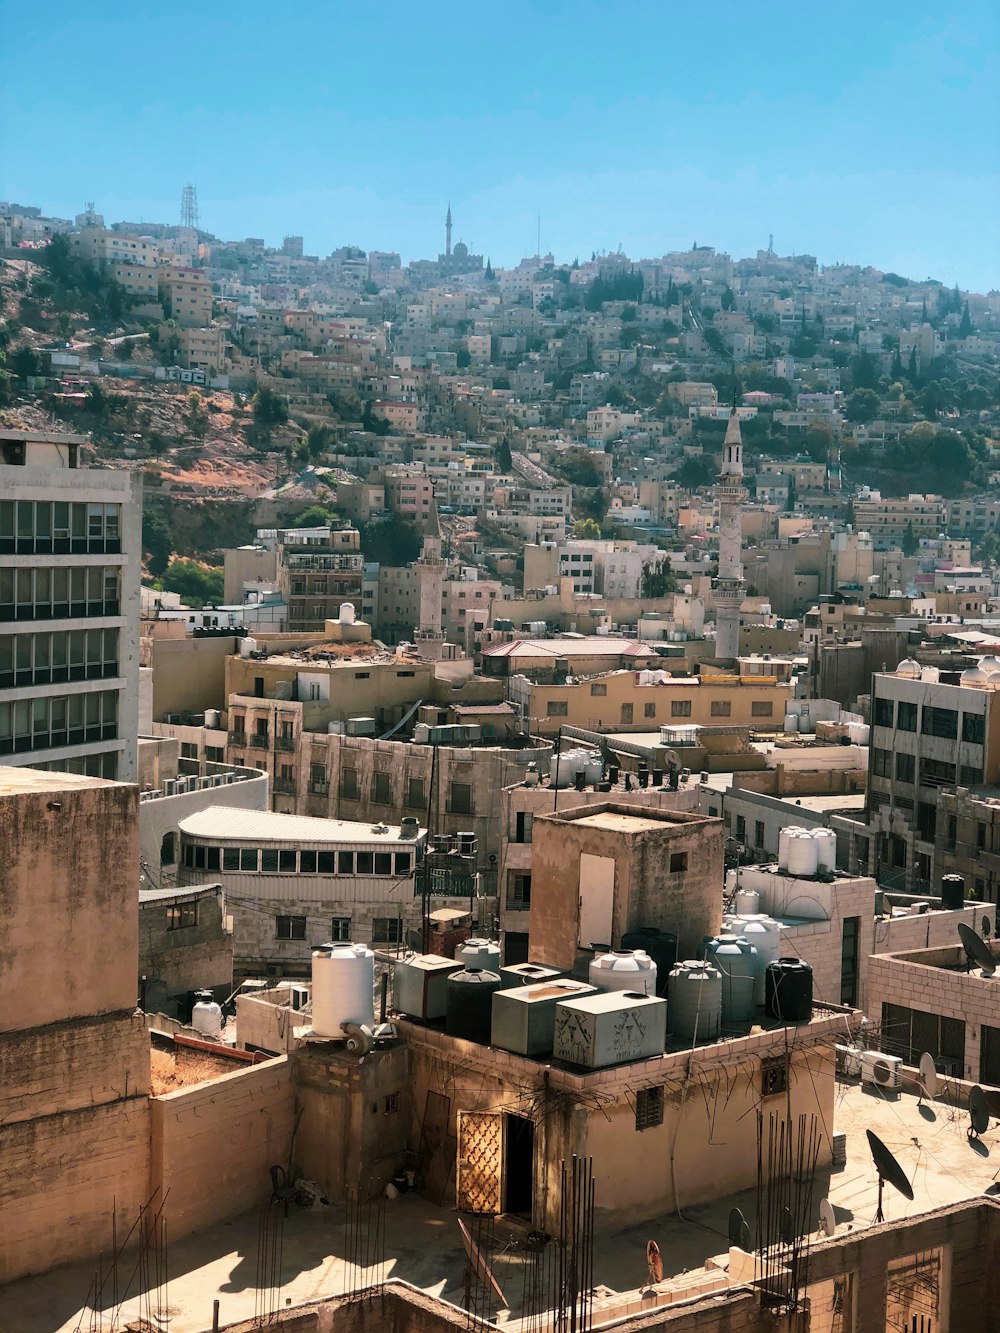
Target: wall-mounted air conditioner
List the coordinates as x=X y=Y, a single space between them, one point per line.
x=882 y=1071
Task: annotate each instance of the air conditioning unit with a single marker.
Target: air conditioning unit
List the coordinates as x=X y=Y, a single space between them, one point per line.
x=848 y=1061
x=884 y=1072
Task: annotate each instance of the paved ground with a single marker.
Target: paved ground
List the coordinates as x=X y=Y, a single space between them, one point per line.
x=425 y=1248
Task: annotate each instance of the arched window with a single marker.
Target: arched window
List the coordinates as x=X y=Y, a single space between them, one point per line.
x=168 y=851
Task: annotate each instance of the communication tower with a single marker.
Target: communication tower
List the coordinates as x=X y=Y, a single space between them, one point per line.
x=189 y=207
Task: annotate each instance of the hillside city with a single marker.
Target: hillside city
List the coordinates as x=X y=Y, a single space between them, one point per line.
x=510 y=753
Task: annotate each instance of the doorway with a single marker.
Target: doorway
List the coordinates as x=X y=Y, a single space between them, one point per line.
x=519 y=1165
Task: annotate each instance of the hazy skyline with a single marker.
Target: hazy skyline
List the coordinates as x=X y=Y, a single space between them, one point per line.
x=867 y=134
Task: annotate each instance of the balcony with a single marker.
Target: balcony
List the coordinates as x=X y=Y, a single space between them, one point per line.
x=283 y=787
x=238 y=738
x=285 y=743
x=260 y=741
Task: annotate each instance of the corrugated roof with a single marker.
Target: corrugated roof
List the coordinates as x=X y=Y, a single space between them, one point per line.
x=170 y=895
x=254 y=827
x=487 y=710
x=592 y=645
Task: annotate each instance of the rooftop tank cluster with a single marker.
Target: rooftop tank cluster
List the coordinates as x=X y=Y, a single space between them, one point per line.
x=807 y=852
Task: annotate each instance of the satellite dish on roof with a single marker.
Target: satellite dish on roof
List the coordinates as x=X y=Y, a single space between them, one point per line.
x=786 y=1227
x=977 y=950
x=888 y=1170
x=827 y=1218
x=928 y=1076
x=739 y=1232
x=979 y=1113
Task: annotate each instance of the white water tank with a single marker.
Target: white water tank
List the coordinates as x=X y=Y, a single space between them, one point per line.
x=206 y=1016
x=784 y=837
x=764 y=934
x=347 y=613
x=857 y=733
x=791 y=722
x=343 y=988
x=826 y=848
x=624 y=969
x=213 y=719
x=481 y=954
x=247 y=646
x=694 y=1001
x=563 y=767
x=747 y=902
x=803 y=856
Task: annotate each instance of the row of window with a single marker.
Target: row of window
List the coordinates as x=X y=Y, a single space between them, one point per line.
x=59 y=527
x=678 y=707
x=933 y=772
x=293 y=861
x=460 y=800
x=52 y=657
x=385 y=929
x=941 y=722
x=52 y=594
x=40 y=724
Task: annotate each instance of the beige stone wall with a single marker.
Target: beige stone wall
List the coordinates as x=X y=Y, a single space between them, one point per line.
x=189 y=675
x=212 y=1144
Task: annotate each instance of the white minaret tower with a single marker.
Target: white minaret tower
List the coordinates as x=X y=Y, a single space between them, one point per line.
x=729 y=588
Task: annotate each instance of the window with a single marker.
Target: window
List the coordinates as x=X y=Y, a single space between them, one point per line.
x=168 y=850
x=649 y=710
x=882 y=763
x=598 y=688
x=290 y=927
x=286 y=862
x=774 y=1076
x=523 y=826
x=391 y=1103
x=648 y=1108
x=678 y=862
x=906 y=719
x=883 y=712
x=939 y=722
x=518 y=890
x=906 y=766
x=180 y=916
x=415 y=794
x=680 y=707
x=460 y=798
x=340 y=929
x=557 y=708
x=366 y=863
x=249 y=857
x=973 y=728
x=349 y=786
x=762 y=708
x=231 y=858
x=383 y=863
x=307 y=863
x=936 y=773
x=970 y=776
x=387 y=930
x=721 y=708
x=851 y=938
x=740 y=828
x=758 y=833
x=269 y=861
x=317 y=779
x=404 y=863
x=382 y=788
x=626 y=715
x=345 y=863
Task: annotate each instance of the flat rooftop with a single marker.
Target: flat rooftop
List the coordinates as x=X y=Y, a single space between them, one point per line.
x=617 y=821
x=15 y=781
x=253 y=827
x=423 y=1245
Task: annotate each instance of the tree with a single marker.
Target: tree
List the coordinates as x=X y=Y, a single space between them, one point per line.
x=818 y=440
x=26 y=362
x=658 y=580
x=864 y=371
x=629 y=315
x=319 y=440
x=695 y=471
x=505 y=462
x=965 y=328
x=197 y=417
x=911 y=367
x=197 y=584
x=375 y=425
x=862 y=405
x=896 y=372
x=790 y=505
x=316 y=516
x=585 y=529
x=393 y=541
x=728 y=299
x=463 y=358
x=98 y=399
x=715 y=342
x=909 y=544
x=269 y=408
x=489 y=275
x=157 y=541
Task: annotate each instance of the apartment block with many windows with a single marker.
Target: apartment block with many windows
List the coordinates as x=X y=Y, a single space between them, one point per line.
x=70 y=554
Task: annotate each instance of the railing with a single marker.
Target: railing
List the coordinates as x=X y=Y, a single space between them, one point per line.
x=283 y=787
x=319 y=788
x=286 y=743
x=238 y=738
x=259 y=741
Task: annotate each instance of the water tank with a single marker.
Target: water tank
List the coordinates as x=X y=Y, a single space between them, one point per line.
x=791 y=722
x=858 y=733
x=524 y=1017
x=826 y=848
x=206 y=1016
x=609 y=1028
x=952 y=893
x=737 y=961
x=347 y=613
x=595 y=767
x=661 y=945
x=247 y=646
x=483 y=954
x=695 y=1001
x=419 y=985
x=564 y=767
x=624 y=969
x=528 y=974
x=784 y=837
x=788 y=990
x=802 y=854
x=764 y=934
x=343 y=988
x=469 y=1012
x=747 y=902
x=421 y=733
x=213 y=719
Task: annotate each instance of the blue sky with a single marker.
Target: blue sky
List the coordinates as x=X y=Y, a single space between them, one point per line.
x=859 y=132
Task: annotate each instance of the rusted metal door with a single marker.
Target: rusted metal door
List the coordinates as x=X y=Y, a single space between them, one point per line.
x=480 y=1161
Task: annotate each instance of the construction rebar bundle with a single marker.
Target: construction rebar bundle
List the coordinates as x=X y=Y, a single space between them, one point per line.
x=786 y=1174
x=364 y=1223
x=270 y=1249
x=573 y=1299
x=147 y=1279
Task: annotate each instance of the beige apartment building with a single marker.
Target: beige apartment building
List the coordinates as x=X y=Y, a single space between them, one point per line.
x=891 y=516
x=621 y=701
x=186 y=294
x=202 y=348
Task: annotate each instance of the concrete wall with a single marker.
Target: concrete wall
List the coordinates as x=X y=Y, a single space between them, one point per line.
x=163 y=814
x=189 y=675
x=198 y=957
x=212 y=1144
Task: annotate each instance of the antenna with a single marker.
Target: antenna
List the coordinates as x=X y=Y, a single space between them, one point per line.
x=927 y=1077
x=827 y=1218
x=977 y=950
x=888 y=1170
x=189 y=207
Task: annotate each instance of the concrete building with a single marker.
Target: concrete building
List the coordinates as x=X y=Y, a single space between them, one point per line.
x=70 y=557
x=292 y=883
x=184 y=946
x=186 y=294
x=729 y=588
x=318 y=569
x=602 y=870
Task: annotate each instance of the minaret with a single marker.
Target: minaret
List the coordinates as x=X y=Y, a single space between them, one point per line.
x=447 y=234
x=430 y=577
x=729 y=588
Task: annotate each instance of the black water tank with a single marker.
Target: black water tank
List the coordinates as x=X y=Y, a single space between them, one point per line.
x=469 y=1004
x=661 y=945
x=788 y=990
x=952 y=893
x=613 y=774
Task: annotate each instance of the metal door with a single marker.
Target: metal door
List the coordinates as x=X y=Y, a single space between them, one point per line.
x=480 y=1161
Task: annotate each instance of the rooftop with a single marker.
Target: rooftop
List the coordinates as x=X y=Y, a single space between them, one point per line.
x=223 y=824
x=16 y=781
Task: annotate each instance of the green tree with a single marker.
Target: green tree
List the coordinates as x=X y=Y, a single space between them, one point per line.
x=463 y=358
x=715 y=342
x=198 y=585
x=25 y=361
x=585 y=529
x=909 y=544
x=393 y=541
x=505 y=462
x=157 y=541
x=911 y=367
x=864 y=371
x=629 y=315
x=965 y=328
x=98 y=399
x=862 y=405
x=728 y=299
x=197 y=417
x=489 y=275
x=375 y=425
x=818 y=441
x=896 y=372
x=269 y=408
x=695 y=471
x=658 y=580
x=319 y=440
x=316 y=516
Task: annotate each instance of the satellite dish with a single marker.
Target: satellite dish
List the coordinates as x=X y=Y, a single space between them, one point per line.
x=888 y=1170
x=979 y=1113
x=928 y=1076
x=986 y=928
x=827 y=1218
x=977 y=950
x=739 y=1232
x=786 y=1227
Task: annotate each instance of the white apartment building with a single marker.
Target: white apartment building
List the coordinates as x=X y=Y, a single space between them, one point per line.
x=70 y=556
